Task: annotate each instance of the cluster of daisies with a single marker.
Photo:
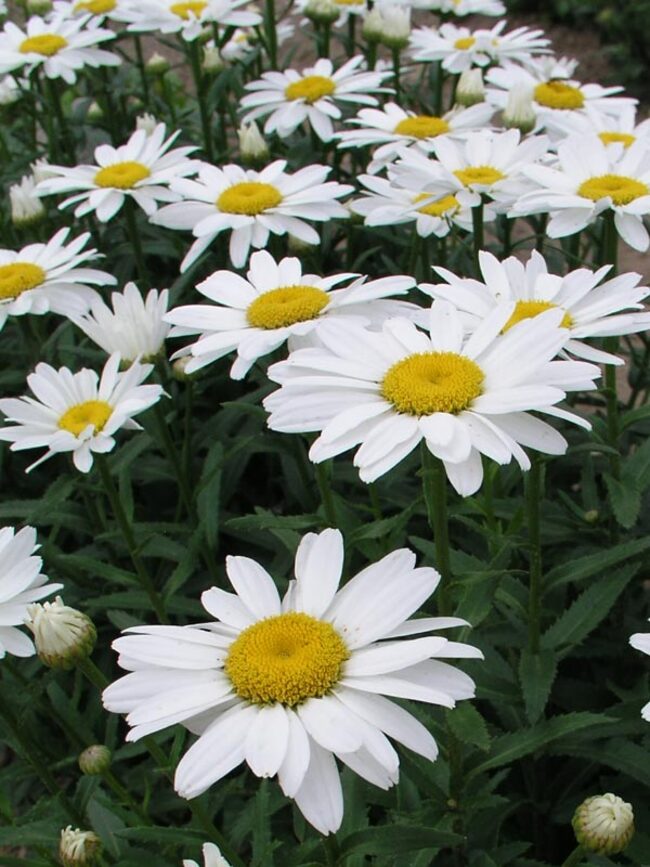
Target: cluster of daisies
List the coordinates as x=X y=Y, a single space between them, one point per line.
x=292 y=683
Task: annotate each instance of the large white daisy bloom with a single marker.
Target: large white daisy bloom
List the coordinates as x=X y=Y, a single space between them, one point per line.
x=115 y=10
x=253 y=205
x=290 y=98
x=459 y=48
x=142 y=170
x=60 y=45
x=622 y=129
x=21 y=583
x=134 y=327
x=589 y=178
x=289 y=684
x=590 y=307
x=641 y=641
x=212 y=857
x=277 y=301
x=77 y=412
x=44 y=278
x=395 y=129
x=464 y=395
x=189 y=18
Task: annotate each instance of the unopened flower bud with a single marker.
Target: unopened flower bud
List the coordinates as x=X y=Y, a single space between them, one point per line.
x=79 y=848
x=95 y=112
x=373 y=26
x=470 y=89
x=396 y=26
x=591 y=516
x=39 y=7
x=179 y=368
x=253 y=148
x=157 y=64
x=41 y=170
x=9 y=91
x=95 y=760
x=519 y=112
x=322 y=11
x=147 y=122
x=62 y=635
x=26 y=207
x=604 y=824
x=212 y=60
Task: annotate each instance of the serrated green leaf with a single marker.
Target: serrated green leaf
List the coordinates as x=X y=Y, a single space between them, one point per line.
x=208 y=499
x=394 y=839
x=536 y=675
x=624 y=499
x=469 y=726
x=595 y=564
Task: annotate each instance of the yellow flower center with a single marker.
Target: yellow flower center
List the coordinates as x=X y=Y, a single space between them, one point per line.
x=288 y=658
x=422 y=126
x=429 y=382
x=46 y=44
x=191 y=7
x=438 y=208
x=486 y=175
x=285 y=306
x=249 y=197
x=18 y=278
x=122 y=176
x=90 y=412
x=465 y=43
x=625 y=138
x=620 y=189
x=97 y=7
x=557 y=94
x=530 y=309
x=310 y=88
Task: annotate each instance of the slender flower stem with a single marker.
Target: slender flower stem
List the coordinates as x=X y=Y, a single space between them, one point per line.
x=575 y=858
x=396 y=75
x=195 y=61
x=439 y=79
x=351 y=40
x=134 y=237
x=324 y=486
x=143 y=73
x=271 y=35
x=477 y=234
x=434 y=488
x=534 y=495
x=143 y=575
x=174 y=458
x=332 y=851
x=64 y=129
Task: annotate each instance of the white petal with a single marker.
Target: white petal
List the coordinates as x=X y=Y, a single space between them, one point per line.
x=254 y=586
x=267 y=739
x=319 y=561
x=294 y=767
x=320 y=798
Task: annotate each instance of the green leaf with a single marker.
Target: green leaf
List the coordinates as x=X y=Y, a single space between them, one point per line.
x=620 y=754
x=395 y=839
x=469 y=726
x=536 y=674
x=625 y=500
x=208 y=497
x=162 y=836
x=595 y=564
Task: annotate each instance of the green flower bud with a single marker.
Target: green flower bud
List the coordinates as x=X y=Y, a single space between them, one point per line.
x=62 y=635
x=79 y=848
x=95 y=760
x=604 y=824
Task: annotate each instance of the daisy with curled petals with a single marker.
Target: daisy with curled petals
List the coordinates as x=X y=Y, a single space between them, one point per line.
x=463 y=394
x=290 y=98
x=590 y=178
x=47 y=277
x=395 y=129
x=641 y=641
x=276 y=302
x=253 y=205
x=289 y=685
x=212 y=857
x=77 y=412
x=61 y=46
x=21 y=584
x=188 y=18
x=590 y=307
x=140 y=170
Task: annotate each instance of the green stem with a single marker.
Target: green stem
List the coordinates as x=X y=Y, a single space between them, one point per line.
x=396 y=75
x=201 y=815
x=271 y=35
x=534 y=493
x=175 y=459
x=477 y=234
x=575 y=858
x=436 y=69
x=351 y=40
x=332 y=851
x=64 y=130
x=434 y=489
x=371 y=55
x=134 y=237
x=195 y=61
x=325 y=488
x=143 y=74
x=120 y=515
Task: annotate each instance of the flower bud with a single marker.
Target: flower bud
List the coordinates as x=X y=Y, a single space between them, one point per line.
x=95 y=760
x=253 y=148
x=26 y=207
x=321 y=11
x=39 y=7
x=373 y=26
x=604 y=824
x=9 y=91
x=396 y=26
x=470 y=89
x=79 y=848
x=147 y=122
x=519 y=112
x=62 y=635
x=591 y=516
x=179 y=368
x=95 y=112
x=212 y=60
x=157 y=64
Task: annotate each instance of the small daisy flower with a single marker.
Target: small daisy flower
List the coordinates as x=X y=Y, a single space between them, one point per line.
x=290 y=98
x=460 y=8
x=21 y=583
x=590 y=307
x=212 y=857
x=253 y=205
x=623 y=129
x=134 y=327
x=190 y=17
x=245 y=39
x=46 y=277
x=395 y=129
x=142 y=170
x=641 y=641
x=290 y=685
x=589 y=179
x=458 y=48
x=520 y=45
x=464 y=395
x=77 y=412
x=114 y=10
x=276 y=302
x=60 y=46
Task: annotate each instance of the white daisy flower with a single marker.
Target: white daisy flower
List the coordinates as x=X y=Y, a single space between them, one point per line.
x=212 y=857
x=290 y=98
x=21 y=583
x=459 y=48
x=622 y=129
x=134 y=327
x=520 y=45
x=590 y=307
x=245 y=39
x=485 y=163
x=395 y=129
x=288 y=685
x=460 y=8
x=114 y=10
x=464 y=395
x=46 y=277
x=588 y=179
x=252 y=204
x=77 y=412
x=142 y=170
x=60 y=46
x=276 y=302
x=641 y=641
x=189 y=18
